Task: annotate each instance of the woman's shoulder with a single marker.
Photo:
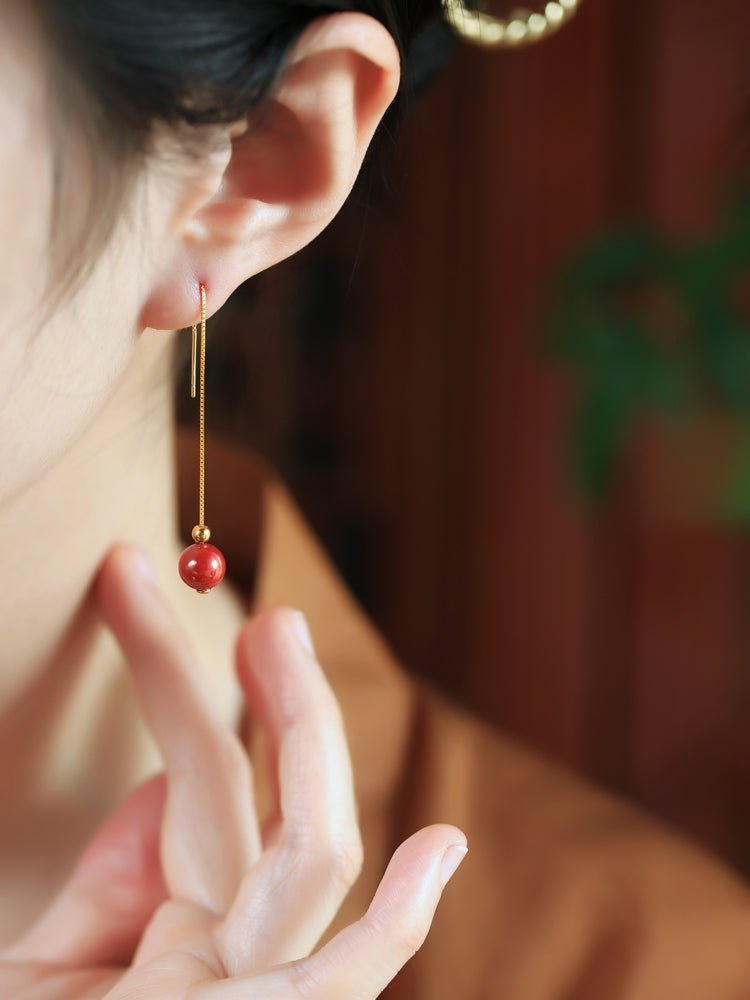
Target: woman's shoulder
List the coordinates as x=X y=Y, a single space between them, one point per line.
x=567 y=891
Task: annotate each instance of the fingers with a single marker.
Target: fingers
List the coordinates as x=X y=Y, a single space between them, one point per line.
x=99 y=915
x=210 y=834
x=288 y=900
x=44 y=982
x=360 y=961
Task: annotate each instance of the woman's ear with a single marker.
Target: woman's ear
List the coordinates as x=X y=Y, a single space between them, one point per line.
x=286 y=175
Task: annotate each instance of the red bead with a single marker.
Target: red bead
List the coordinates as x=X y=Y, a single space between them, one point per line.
x=202 y=566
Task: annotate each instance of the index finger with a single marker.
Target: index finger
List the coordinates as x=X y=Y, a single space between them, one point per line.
x=210 y=836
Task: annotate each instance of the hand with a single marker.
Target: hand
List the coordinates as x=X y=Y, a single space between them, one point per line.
x=181 y=894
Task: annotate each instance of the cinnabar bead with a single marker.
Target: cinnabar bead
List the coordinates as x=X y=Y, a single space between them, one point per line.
x=202 y=566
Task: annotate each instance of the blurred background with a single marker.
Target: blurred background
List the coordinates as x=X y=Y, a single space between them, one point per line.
x=509 y=387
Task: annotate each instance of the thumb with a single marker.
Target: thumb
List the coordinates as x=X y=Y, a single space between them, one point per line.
x=99 y=914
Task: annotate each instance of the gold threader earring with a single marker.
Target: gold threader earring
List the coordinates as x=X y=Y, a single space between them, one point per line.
x=201 y=565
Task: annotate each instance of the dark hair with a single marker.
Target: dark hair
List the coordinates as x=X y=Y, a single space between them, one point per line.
x=124 y=65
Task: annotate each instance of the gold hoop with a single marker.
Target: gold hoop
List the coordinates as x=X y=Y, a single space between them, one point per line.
x=522 y=27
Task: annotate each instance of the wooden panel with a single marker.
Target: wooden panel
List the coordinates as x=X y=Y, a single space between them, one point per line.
x=689 y=653
x=483 y=555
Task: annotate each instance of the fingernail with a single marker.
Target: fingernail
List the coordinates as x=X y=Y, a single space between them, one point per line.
x=144 y=567
x=452 y=858
x=302 y=631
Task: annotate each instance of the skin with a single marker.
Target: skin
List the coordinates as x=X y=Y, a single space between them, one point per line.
x=164 y=903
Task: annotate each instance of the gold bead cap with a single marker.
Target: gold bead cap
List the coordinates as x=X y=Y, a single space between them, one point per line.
x=201 y=533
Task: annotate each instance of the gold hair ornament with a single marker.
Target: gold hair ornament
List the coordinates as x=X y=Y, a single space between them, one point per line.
x=521 y=27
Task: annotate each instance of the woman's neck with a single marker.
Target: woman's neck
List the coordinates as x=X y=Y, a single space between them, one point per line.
x=117 y=483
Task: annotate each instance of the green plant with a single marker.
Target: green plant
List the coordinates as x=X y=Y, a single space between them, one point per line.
x=647 y=325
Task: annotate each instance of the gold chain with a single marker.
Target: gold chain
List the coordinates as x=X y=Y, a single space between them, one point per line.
x=202 y=445
x=522 y=27
x=202 y=502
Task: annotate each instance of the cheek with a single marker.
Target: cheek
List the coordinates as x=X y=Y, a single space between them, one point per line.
x=58 y=368
x=58 y=371
x=59 y=376
x=26 y=182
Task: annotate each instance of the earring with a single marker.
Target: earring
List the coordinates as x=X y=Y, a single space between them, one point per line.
x=201 y=565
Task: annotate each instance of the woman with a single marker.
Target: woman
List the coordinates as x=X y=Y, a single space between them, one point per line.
x=147 y=149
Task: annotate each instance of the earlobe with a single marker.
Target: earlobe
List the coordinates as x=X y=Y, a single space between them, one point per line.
x=290 y=171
